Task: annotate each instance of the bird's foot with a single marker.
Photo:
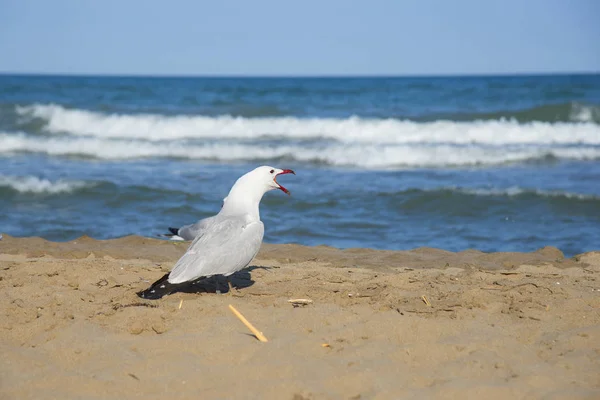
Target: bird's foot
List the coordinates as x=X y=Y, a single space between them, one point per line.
x=233 y=291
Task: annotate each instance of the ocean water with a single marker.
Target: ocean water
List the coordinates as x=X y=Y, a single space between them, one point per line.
x=491 y=163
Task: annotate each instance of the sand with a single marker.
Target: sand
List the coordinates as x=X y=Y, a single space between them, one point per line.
x=499 y=326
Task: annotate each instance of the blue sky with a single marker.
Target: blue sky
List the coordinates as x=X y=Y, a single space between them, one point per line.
x=335 y=37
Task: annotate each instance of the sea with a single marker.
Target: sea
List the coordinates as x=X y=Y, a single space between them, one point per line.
x=493 y=163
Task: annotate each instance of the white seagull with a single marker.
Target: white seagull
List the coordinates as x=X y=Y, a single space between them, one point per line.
x=229 y=240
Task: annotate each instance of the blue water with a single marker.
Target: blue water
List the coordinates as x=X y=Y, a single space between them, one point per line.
x=492 y=163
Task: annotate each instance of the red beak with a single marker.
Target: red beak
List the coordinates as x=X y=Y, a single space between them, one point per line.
x=285 y=171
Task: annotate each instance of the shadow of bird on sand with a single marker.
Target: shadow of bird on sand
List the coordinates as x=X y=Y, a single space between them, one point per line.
x=218 y=283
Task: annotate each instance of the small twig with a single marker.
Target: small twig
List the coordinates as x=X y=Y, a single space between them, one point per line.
x=133 y=376
x=180 y=304
x=426 y=301
x=300 y=302
x=255 y=331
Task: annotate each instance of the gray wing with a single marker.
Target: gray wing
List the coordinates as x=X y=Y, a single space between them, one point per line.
x=190 y=232
x=226 y=246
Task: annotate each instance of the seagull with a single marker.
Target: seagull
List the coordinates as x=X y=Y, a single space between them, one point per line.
x=229 y=240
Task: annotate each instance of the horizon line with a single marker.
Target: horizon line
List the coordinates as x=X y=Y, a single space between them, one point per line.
x=294 y=76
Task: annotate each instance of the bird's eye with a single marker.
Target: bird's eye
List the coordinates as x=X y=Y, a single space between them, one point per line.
x=272 y=171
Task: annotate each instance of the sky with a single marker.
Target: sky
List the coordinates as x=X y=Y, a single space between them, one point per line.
x=308 y=37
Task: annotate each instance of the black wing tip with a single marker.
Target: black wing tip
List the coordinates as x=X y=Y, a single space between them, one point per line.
x=174 y=231
x=158 y=289
x=149 y=294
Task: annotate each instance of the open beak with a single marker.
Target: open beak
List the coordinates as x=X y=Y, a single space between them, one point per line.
x=285 y=171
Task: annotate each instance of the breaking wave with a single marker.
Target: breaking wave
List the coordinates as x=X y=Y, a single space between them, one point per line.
x=57 y=119
x=35 y=185
x=353 y=142
x=336 y=154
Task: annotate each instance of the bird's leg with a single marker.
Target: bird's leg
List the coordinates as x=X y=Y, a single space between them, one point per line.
x=217 y=291
x=230 y=292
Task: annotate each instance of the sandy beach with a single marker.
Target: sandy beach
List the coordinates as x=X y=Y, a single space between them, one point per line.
x=419 y=324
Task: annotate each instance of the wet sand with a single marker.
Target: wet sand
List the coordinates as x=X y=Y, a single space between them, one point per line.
x=420 y=324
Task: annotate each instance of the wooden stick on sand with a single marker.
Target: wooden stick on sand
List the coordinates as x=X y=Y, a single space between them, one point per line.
x=255 y=331
x=303 y=302
x=426 y=301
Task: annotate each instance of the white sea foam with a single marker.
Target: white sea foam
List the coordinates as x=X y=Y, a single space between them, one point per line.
x=339 y=154
x=584 y=113
x=33 y=184
x=514 y=191
x=155 y=127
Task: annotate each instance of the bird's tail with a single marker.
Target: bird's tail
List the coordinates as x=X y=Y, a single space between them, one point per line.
x=158 y=289
x=174 y=235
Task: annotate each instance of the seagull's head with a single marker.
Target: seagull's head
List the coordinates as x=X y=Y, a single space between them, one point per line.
x=249 y=189
x=261 y=180
x=268 y=177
